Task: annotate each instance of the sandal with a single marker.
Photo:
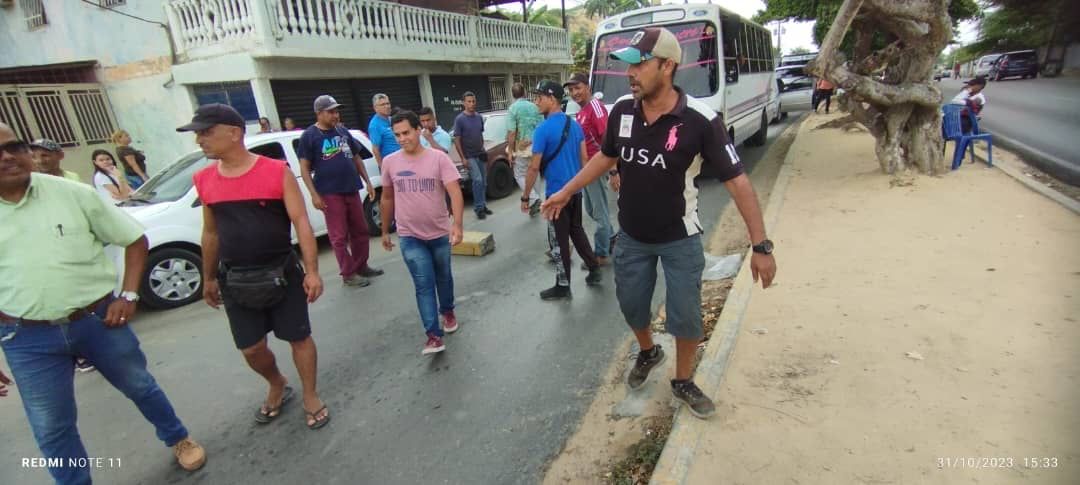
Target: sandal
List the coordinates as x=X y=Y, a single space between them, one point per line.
x=265 y=416
x=313 y=416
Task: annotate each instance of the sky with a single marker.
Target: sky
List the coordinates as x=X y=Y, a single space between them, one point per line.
x=796 y=34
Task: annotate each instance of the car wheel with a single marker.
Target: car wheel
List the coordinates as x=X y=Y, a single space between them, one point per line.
x=762 y=134
x=173 y=278
x=500 y=180
x=373 y=214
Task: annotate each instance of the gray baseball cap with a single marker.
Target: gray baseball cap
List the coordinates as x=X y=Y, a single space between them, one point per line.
x=46 y=144
x=325 y=102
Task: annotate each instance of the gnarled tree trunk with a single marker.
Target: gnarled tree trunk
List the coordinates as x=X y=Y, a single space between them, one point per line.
x=889 y=90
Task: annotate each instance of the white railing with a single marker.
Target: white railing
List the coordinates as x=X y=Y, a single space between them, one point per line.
x=380 y=24
x=201 y=23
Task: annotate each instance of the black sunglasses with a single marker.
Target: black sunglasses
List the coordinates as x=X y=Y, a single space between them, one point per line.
x=15 y=147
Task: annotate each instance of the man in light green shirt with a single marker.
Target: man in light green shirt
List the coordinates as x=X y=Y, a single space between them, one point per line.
x=56 y=303
x=47 y=157
x=521 y=121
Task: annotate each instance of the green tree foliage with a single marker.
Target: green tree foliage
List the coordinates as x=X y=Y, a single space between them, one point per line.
x=537 y=15
x=605 y=8
x=824 y=11
x=800 y=50
x=1022 y=24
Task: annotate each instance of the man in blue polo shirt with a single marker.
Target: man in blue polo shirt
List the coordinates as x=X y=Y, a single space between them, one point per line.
x=558 y=147
x=382 y=138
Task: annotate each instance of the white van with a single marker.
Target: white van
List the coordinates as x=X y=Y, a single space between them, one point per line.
x=170 y=210
x=738 y=84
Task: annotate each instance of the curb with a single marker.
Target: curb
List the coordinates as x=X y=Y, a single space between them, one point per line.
x=686 y=432
x=1017 y=173
x=1059 y=168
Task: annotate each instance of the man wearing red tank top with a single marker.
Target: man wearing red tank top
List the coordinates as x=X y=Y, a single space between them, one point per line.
x=249 y=204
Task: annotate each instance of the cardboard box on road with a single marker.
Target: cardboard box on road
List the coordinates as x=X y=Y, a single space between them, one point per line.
x=474 y=244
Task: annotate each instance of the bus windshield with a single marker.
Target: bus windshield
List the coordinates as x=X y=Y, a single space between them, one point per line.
x=697 y=74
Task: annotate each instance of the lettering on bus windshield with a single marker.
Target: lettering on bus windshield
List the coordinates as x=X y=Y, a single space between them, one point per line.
x=697 y=74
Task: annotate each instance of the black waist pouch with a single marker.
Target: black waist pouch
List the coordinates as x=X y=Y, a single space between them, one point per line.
x=256 y=287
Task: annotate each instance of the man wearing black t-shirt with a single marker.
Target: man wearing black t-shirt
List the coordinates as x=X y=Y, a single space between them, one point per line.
x=658 y=141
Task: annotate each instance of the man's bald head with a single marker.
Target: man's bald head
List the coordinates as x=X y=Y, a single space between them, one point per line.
x=16 y=163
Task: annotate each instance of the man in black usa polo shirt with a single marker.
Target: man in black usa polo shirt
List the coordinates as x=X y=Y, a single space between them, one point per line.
x=658 y=141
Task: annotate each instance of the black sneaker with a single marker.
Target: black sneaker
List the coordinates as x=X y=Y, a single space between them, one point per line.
x=481 y=215
x=690 y=394
x=370 y=272
x=643 y=366
x=594 y=277
x=555 y=293
x=488 y=211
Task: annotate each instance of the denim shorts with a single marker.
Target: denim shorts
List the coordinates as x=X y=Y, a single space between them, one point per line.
x=635 y=280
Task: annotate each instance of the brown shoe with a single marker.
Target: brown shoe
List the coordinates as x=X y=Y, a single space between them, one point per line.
x=189 y=454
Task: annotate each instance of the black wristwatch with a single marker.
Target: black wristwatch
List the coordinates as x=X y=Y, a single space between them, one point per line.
x=613 y=173
x=764 y=247
x=525 y=199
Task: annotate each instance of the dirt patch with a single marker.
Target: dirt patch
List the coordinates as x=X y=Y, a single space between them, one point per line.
x=611 y=447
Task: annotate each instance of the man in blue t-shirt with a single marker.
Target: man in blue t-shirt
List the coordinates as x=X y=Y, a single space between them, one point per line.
x=332 y=167
x=382 y=138
x=558 y=147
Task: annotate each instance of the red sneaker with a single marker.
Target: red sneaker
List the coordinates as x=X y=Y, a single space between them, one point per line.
x=434 y=345
x=450 y=324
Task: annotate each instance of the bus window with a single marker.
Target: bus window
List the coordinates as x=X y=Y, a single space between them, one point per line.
x=730 y=32
x=698 y=70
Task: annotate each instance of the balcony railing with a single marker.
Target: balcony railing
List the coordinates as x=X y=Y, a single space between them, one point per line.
x=357 y=29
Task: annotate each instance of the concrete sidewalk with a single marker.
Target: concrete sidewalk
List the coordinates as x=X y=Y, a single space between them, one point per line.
x=916 y=334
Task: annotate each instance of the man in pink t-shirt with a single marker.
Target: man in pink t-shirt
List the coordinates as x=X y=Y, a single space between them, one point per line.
x=416 y=181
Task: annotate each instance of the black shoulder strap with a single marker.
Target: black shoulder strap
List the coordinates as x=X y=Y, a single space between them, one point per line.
x=562 y=141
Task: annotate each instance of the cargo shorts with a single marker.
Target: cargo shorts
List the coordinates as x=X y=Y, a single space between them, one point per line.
x=635 y=280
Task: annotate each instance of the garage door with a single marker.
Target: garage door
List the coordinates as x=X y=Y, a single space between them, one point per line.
x=294 y=99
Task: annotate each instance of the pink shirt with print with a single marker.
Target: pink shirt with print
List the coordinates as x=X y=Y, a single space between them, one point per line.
x=419 y=183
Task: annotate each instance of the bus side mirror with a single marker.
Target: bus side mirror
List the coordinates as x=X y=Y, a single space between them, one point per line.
x=599 y=95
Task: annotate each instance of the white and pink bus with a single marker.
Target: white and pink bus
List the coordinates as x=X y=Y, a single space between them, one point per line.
x=727 y=62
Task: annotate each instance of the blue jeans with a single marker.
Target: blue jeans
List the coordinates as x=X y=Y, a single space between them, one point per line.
x=42 y=361
x=134 y=181
x=596 y=205
x=429 y=264
x=478 y=174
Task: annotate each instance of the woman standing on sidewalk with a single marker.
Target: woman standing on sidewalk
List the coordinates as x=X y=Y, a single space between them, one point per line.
x=132 y=161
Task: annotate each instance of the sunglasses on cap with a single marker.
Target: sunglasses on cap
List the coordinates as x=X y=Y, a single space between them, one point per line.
x=15 y=147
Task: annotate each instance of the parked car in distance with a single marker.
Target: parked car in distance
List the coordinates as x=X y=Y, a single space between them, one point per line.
x=942 y=74
x=1020 y=64
x=985 y=64
x=500 y=174
x=796 y=88
x=168 y=206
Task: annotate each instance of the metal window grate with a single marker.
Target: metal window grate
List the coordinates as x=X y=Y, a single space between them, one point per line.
x=93 y=115
x=111 y=3
x=34 y=12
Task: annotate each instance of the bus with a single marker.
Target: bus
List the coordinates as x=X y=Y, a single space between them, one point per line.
x=738 y=85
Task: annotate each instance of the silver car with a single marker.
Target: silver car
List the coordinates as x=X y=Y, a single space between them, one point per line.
x=796 y=88
x=986 y=64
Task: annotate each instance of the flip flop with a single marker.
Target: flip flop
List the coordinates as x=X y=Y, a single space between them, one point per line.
x=317 y=424
x=272 y=413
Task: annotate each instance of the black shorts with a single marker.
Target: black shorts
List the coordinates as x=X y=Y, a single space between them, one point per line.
x=288 y=319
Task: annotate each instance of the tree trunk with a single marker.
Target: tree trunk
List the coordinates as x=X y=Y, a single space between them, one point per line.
x=890 y=90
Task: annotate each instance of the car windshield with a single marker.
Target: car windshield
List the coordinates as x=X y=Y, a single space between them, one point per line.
x=697 y=74
x=793 y=72
x=986 y=61
x=174 y=182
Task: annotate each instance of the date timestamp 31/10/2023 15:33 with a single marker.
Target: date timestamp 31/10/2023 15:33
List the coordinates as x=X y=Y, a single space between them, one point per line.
x=996 y=462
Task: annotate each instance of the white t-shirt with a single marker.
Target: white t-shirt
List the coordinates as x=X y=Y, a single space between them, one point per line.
x=100 y=181
x=962 y=97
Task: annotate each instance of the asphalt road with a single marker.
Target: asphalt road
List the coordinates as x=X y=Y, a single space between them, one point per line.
x=1041 y=113
x=493 y=409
